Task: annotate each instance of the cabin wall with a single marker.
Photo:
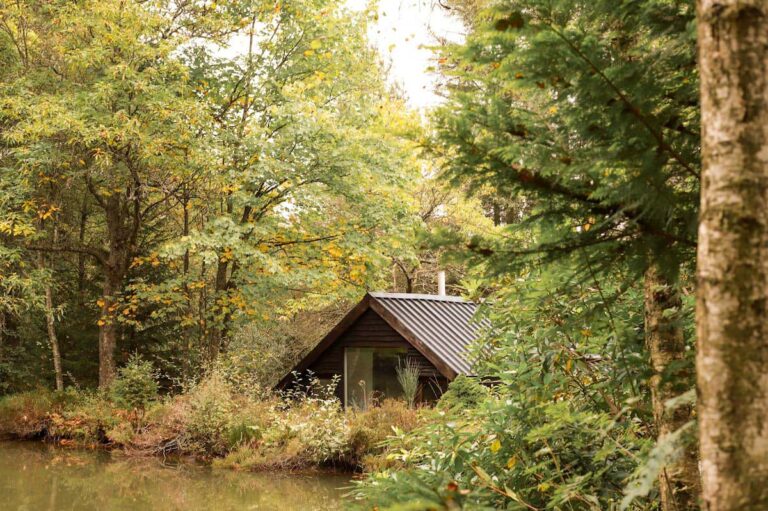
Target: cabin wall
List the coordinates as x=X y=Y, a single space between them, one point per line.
x=371 y=331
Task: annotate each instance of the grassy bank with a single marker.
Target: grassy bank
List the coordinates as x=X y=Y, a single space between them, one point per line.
x=214 y=420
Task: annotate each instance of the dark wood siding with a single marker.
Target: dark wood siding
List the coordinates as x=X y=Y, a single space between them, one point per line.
x=370 y=331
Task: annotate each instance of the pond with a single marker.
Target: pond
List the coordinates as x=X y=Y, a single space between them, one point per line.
x=36 y=476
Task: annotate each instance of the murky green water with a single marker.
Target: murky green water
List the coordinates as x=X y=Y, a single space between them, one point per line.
x=38 y=477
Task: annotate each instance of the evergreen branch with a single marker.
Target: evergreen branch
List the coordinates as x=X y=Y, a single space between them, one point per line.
x=655 y=133
x=534 y=180
x=546 y=248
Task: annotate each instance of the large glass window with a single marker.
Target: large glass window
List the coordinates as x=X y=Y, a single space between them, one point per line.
x=370 y=374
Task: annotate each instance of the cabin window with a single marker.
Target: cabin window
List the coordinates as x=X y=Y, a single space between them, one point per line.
x=370 y=374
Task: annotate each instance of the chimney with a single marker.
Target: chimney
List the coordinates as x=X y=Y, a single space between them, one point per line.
x=441 y=283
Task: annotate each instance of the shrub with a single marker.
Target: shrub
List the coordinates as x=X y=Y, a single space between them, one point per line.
x=86 y=419
x=321 y=428
x=266 y=457
x=211 y=409
x=136 y=385
x=369 y=429
x=165 y=427
x=250 y=420
x=463 y=392
x=243 y=433
x=25 y=415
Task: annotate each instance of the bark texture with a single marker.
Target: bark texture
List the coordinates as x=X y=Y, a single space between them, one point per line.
x=732 y=354
x=679 y=483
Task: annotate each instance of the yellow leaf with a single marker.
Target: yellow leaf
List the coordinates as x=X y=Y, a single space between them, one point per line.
x=496 y=446
x=315 y=44
x=511 y=462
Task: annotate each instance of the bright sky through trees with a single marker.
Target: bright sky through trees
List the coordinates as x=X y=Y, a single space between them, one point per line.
x=403 y=34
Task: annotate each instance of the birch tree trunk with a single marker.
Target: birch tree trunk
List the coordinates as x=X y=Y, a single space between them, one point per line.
x=732 y=325
x=678 y=483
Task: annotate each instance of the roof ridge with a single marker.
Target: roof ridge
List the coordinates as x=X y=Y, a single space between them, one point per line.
x=423 y=297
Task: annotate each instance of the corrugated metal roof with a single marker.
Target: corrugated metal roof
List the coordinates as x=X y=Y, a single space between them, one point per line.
x=445 y=324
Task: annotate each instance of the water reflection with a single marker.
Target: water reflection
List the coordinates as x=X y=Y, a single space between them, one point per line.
x=36 y=477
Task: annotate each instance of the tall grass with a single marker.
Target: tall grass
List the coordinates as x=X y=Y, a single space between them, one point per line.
x=408 y=377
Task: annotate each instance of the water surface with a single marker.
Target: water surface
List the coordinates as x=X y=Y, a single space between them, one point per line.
x=40 y=477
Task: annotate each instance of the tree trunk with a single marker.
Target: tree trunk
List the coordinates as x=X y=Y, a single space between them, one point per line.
x=81 y=256
x=121 y=231
x=678 y=483
x=188 y=330
x=50 y=322
x=108 y=329
x=732 y=301
x=53 y=339
x=219 y=331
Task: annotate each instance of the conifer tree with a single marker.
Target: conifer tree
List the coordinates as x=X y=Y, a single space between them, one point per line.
x=586 y=112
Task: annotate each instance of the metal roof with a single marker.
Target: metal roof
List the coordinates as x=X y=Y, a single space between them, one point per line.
x=445 y=324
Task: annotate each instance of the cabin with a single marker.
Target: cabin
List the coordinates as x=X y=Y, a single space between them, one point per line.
x=384 y=330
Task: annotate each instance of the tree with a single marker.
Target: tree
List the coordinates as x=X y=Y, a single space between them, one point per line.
x=176 y=189
x=111 y=116
x=732 y=267
x=586 y=112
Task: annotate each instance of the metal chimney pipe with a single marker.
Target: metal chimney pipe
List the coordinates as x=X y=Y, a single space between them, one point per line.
x=441 y=283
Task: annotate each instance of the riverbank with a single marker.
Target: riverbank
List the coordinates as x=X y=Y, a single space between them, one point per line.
x=217 y=423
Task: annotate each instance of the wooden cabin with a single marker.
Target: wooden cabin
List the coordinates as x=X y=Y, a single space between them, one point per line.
x=367 y=346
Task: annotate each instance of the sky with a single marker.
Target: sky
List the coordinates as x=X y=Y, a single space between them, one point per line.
x=403 y=33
